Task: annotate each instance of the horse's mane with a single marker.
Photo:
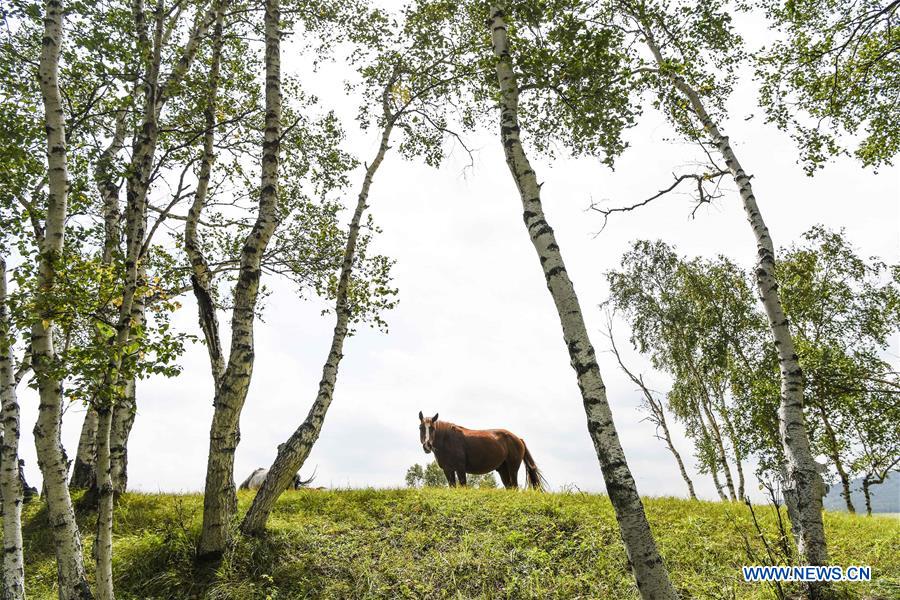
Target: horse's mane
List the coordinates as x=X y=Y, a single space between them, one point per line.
x=447 y=426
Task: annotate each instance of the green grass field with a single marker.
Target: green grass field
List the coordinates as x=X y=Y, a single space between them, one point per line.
x=439 y=543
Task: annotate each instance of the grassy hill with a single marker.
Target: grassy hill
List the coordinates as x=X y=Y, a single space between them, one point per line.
x=450 y=544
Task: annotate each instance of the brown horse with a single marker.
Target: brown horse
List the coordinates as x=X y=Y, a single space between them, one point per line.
x=478 y=451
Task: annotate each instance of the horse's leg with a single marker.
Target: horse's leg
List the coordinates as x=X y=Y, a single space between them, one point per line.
x=512 y=467
x=504 y=475
x=461 y=475
x=450 y=474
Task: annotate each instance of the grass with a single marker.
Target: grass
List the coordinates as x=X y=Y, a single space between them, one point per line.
x=439 y=543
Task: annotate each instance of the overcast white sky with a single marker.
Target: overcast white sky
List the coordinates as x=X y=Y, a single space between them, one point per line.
x=475 y=336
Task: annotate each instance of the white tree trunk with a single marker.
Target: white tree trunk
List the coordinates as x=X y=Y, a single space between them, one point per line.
x=83 y=470
x=292 y=454
x=202 y=277
x=657 y=413
x=220 y=496
x=86 y=457
x=644 y=558
x=122 y=420
x=802 y=474
x=738 y=456
x=51 y=455
x=103 y=543
x=11 y=492
x=713 y=464
x=720 y=448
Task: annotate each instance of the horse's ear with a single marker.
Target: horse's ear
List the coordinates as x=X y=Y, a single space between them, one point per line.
x=421 y=418
x=434 y=418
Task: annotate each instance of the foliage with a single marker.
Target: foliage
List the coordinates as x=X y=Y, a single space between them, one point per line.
x=432 y=476
x=699 y=322
x=845 y=309
x=831 y=78
x=698 y=42
x=447 y=543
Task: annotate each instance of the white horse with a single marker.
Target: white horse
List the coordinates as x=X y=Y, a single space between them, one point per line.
x=257 y=477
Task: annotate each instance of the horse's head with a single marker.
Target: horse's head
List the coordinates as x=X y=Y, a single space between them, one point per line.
x=426 y=431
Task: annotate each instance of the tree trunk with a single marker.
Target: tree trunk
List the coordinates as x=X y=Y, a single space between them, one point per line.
x=103 y=545
x=83 y=471
x=681 y=467
x=836 y=457
x=865 y=486
x=122 y=421
x=713 y=464
x=220 y=497
x=293 y=453
x=86 y=458
x=11 y=490
x=720 y=448
x=644 y=558
x=51 y=455
x=201 y=278
x=738 y=455
x=657 y=413
x=802 y=473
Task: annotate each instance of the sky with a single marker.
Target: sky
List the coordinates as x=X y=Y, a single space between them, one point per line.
x=475 y=336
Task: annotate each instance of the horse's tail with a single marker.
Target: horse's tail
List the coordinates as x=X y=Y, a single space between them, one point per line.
x=535 y=478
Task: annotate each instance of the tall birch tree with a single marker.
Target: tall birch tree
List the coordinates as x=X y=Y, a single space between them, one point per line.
x=644 y=558
x=51 y=455
x=11 y=492
x=682 y=46
x=220 y=497
x=411 y=74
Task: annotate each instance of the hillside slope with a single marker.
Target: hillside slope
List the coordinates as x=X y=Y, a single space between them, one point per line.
x=450 y=544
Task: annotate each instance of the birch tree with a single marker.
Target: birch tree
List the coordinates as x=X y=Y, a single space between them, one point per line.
x=11 y=492
x=51 y=455
x=412 y=80
x=830 y=80
x=681 y=51
x=656 y=413
x=692 y=318
x=220 y=498
x=644 y=558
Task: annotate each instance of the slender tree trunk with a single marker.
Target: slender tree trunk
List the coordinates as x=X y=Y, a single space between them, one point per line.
x=644 y=558
x=83 y=471
x=803 y=476
x=220 y=497
x=657 y=413
x=716 y=437
x=86 y=458
x=201 y=278
x=51 y=455
x=713 y=464
x=836 y=457
x=293 y=453
x=865 y=486
x=124 y=412
x=738 y=455
x=11 y=490
x=720 y=450
x=681 y=467
x=120 y=430
x=103 y=545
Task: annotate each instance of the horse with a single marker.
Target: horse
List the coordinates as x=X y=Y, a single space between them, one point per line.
x=257 y=477
x=478 y=451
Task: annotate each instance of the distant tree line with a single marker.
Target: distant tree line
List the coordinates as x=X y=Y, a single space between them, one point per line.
x=433 y=476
